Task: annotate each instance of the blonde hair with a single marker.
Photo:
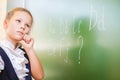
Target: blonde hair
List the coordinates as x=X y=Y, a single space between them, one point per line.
x=11 y=13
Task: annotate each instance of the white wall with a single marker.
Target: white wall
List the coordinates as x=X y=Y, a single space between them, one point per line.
x=3 y=8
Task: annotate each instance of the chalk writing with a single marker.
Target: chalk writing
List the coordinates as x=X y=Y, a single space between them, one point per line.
x=99 y=20
x=80 y=42
x=66 y=58
x=68 y=26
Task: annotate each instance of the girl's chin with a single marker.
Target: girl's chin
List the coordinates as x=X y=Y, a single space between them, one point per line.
x=19 y=38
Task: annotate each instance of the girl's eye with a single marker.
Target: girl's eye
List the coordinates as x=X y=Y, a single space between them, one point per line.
x=18 y=21
x=27 y=26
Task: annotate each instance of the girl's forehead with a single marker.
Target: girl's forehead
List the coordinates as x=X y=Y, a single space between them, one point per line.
x=22 y=15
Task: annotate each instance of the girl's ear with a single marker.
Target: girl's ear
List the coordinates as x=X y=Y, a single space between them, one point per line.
x=5 y=24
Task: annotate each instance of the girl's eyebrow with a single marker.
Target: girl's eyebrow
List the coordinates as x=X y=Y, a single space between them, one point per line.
x=18 y=18
x=28 y=25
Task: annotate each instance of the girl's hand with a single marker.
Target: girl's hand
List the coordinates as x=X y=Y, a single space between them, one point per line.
x=27 y=42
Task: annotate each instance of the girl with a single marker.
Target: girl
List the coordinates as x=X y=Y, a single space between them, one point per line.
x=18 y=60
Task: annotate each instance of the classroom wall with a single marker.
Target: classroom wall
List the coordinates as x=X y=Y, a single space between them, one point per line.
x=3 y=5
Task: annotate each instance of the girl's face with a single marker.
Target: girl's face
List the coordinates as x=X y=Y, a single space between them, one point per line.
x=18 y=26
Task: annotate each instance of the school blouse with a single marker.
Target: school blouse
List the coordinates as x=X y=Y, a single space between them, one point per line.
x=16 y=57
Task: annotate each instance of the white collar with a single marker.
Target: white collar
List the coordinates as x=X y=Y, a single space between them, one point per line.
x=9 y=44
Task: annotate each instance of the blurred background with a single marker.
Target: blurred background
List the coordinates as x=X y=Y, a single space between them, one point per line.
x=76 y=39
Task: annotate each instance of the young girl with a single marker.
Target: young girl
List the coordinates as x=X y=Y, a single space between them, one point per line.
x=18 y=60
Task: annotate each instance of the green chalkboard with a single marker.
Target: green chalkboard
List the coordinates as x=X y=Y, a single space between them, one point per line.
x=77 y=39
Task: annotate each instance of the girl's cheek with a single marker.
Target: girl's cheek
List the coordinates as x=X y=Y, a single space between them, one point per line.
x=27 y=31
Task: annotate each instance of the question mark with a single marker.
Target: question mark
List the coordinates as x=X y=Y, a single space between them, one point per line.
x=66 y=60
x=80 y=40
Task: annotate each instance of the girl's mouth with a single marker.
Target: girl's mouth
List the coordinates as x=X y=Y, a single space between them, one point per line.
x=20 y=33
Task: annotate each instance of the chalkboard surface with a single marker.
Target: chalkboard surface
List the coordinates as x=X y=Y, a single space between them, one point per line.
x=77 y=39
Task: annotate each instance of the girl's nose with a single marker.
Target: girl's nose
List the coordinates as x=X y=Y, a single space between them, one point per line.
x=22 y=27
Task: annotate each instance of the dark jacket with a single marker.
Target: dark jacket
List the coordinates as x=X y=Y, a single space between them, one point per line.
x=9 y=73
